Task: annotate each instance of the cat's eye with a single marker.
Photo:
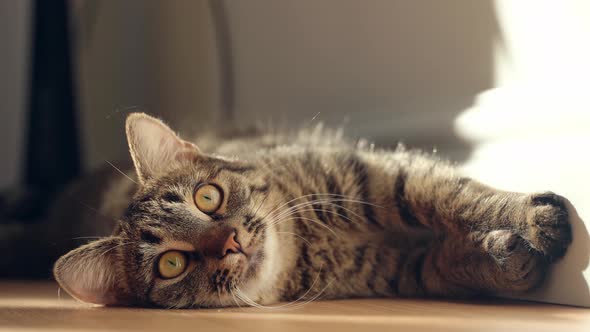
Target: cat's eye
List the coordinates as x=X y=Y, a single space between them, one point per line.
x=208 y=198
x=172 y=264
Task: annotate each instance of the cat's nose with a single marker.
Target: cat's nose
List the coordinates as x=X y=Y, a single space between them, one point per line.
x=220 y=243
x=231 y=245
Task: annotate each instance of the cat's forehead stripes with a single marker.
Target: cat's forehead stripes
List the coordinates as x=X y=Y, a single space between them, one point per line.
x=150 y=237
x=172 y=197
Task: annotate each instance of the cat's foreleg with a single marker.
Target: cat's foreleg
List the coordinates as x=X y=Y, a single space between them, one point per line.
x=489 y=239
x=433 y=195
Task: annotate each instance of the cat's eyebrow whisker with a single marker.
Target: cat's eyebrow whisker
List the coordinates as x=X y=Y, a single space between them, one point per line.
x=115 y=247
x=120 y=171
x=96 y=211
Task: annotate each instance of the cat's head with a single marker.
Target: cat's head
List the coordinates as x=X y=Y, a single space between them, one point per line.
x=193 y=232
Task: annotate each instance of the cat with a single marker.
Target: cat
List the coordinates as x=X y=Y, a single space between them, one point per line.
x=265 y=219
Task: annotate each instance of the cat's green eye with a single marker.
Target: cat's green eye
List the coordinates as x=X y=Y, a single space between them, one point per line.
x=172 y=264
x=208 y=198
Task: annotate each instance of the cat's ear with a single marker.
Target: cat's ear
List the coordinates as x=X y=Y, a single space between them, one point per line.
x=89 y=272
x=154 y=147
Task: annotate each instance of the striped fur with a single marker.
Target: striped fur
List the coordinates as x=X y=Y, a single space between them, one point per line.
x=328 y=219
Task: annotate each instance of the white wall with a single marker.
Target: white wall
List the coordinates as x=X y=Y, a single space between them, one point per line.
x=545 y=42
x=393 y=69
x=396 y=69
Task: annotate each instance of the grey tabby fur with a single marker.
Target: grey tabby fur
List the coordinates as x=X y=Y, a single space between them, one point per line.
x=317 y=216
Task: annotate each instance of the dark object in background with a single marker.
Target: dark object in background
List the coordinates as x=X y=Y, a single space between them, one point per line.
x=52 y=157
x=52 y=146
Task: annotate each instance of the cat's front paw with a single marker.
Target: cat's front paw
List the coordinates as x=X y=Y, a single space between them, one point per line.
x=548 y=229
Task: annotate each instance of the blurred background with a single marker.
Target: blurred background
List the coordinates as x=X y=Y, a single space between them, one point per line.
x=491 y=84
x=386 y=70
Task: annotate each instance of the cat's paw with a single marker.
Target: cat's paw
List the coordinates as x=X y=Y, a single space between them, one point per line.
x=519 y=267
x=548 y=230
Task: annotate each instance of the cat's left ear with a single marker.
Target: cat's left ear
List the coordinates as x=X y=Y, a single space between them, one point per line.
x=154 y=147
x=91 y=273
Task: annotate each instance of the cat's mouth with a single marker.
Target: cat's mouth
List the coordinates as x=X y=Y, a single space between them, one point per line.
x=248 y=260
x=236 y=269
x=240 y=265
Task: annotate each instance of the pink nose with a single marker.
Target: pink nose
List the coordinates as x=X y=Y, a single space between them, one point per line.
x=231 y=245
x=219 y=242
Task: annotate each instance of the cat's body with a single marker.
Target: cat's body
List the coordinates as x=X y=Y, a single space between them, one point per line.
x=311 y=215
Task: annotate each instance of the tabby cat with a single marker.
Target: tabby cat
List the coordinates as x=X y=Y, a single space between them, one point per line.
x=264 y=219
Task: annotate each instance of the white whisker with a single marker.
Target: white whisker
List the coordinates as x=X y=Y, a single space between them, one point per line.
x=297 y=235
x=87 y=237
x=120 y=171
x=290 y=305
x=115 y=247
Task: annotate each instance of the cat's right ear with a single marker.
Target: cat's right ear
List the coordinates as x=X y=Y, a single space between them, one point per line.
x=89 y=273
x=154 y=147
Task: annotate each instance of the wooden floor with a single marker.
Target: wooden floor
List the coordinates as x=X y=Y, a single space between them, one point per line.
x=36 y=306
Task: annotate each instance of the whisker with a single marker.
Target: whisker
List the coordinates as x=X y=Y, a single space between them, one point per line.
x=290 y=305
x=325 y=200
x=87 y=237
x=120 y=171
x=299 y=236
x=297 y=208
x=115 y=247
x=234 y=297
x=219 y=297
x=279 y=221
x=314 y=117
x=261 y=203
x=317 y=210
x=302 y=197
x=315 y=297
x=96 y=211
x=319 y=224
x=330 y=202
